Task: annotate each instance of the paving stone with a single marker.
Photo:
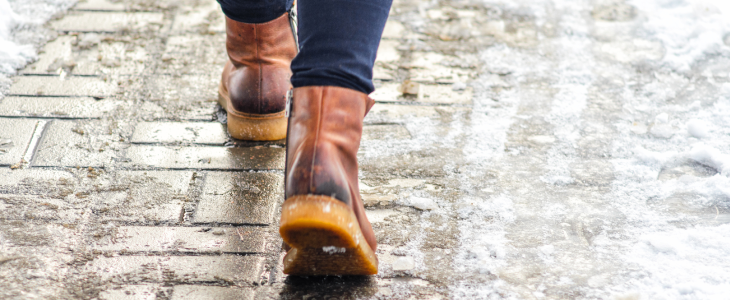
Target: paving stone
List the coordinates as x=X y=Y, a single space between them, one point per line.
x=370 y=200
x=12 y=179
x=229 y=269
x=385 y=132
x=387 y=51
x=202 y=18
x=185 y=89
x=111 y=58
x=187 y=239
x=396 y=113
x=383 y=71
x=256 y=158
x=177 y=182
x=194 y=54
x=69 y=143
x=240 y=198
x=379 y=215
x=387 y=92
x=427 y=67
x=57 y=107
x=444 y=94
x=92 y=21
x=130 y=292
x=100 y=56
x=393 y=30
x=180 y=132
x=194 y=292
x=427 y=93
x=15 y=135
x=58 y=86
x=99 y=5
x=140 y=196
x=60 y=48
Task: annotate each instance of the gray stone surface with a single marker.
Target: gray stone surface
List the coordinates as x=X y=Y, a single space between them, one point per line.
x=194 y=54
x=233 y=240
x=224 y=269
x=14 y=138
x=57 y=107
x=194 y=292
x=240 y=198
x=57 y=86
x=93 y=21
x=201 y=17
x=91 y=54
x=208 y=158
x=76 y=143
x=180 y=132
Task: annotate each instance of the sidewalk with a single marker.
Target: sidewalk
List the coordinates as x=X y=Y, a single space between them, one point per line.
x=122 y=181
x=498 y=162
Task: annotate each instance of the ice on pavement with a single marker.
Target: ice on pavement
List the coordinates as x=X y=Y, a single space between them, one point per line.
x=21 y=32
x=599 y=167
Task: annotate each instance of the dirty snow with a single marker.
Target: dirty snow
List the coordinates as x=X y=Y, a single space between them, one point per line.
x=21 y=32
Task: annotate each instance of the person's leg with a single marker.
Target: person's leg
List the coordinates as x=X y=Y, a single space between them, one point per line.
x=260 y=45
x=254 y=11
x=323 y=218
x=338 y=40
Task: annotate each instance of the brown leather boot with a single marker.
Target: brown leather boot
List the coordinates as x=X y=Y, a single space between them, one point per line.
x=256 y=78
x=323 y=218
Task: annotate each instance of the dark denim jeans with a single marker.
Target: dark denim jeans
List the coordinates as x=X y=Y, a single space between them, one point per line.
x=338 y=39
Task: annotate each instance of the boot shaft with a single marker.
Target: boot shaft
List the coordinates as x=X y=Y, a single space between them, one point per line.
x=270 y=43
x=325 y=127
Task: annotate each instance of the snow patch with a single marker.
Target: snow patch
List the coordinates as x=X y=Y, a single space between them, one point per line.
x=700 y=254
x=419 y=203
x=29 y=16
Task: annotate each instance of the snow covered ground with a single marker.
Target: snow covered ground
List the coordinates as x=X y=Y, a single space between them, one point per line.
x=595 y=162
x=21 y=32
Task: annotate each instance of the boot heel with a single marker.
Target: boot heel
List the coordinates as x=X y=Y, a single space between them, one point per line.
x=253 y=127
x=326 y=238
x=271 y=127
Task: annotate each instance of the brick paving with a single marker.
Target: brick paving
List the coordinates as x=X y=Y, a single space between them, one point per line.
x=119 y=180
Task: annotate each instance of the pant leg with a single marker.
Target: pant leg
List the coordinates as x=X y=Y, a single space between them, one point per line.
x=255 y=11
x=338 y=40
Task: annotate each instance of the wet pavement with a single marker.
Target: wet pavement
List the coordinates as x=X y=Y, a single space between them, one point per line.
x=518 y=149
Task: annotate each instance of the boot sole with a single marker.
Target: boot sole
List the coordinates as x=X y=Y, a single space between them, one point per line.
x=252 y=127
x=325 y=238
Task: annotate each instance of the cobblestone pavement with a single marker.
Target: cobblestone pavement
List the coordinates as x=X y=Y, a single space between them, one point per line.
x=495 y=163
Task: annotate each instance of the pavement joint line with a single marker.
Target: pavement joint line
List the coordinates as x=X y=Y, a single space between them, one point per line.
x=216 y=224
x=184 y=253
x=48 y=118
x=40 y=127
x=57 y=96
x=414 y=103
x=56 y=75
x=118 y=168
x=195 y=145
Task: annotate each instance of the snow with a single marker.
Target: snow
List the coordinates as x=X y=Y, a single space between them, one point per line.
x=698 y=129
x=687 y=29
x=26 y=17
x=420 y=203
x=404 y=263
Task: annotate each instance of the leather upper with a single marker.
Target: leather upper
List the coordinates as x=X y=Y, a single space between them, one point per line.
x=257 y=76
x=325 y=127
